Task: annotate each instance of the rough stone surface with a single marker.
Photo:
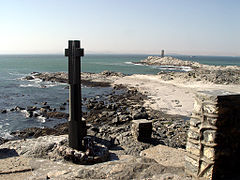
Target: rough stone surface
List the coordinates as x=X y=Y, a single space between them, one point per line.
x=45 y=163
x=214 y=130
x=55 y=148
x=127 y=167
x=14 y=165
x=166 y=155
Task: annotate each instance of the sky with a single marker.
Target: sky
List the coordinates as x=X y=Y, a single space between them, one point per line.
x=190 y=27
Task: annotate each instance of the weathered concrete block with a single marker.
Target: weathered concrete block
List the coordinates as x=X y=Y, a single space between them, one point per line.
x=195 y=122
x=206 y=170
x=142 y=129
x=191 y=165
x=213 y=139
x=193 y=148
x=209 y=136
x=210 y=108
x=193 y=135
x=210 y=120
x=209 y=152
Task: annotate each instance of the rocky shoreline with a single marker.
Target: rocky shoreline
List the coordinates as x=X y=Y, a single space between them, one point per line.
x=109 y=123
x=198 y=72
x=109 y=118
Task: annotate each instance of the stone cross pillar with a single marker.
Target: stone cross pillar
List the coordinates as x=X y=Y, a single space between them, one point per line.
x=77 y=127
x=213 y=147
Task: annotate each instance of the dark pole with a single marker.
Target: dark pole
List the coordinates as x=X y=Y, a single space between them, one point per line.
x=77 y=127
x=162 y=54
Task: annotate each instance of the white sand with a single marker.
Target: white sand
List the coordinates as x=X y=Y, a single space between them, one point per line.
x=174 y=96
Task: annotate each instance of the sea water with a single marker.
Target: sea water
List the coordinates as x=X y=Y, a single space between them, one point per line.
x=14 y=91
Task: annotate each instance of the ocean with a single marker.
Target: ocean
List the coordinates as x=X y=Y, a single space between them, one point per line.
x=14 y=91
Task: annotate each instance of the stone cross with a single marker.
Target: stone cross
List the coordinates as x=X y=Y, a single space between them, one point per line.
x=77 y=127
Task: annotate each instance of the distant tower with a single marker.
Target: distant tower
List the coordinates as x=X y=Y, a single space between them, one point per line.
x=162 y=54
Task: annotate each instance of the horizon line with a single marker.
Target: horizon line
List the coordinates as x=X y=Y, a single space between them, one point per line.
x=95 y=53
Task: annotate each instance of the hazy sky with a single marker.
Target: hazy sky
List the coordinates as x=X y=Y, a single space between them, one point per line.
x=198 y=27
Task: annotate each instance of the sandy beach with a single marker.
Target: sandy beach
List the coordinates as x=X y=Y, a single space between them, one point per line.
x=174 y=96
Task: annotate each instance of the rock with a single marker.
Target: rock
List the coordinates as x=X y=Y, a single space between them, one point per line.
x=29 y=78
x=56 y=148
x=43 y=110
x=116 y=120
x=31 y=108
x=110 y=73
x=29 y=114
x=45 y=107
x=62 y=108
x=166 y=155
x=128 y=167
x=142 y=129
x=111 y=113
x=2 y=140
x=36 y=114
x=58 y=115
x=124 y=118
x=3 y=111
x=14 y=165
x=139 y=115
x=44 y=103
x=17 y=108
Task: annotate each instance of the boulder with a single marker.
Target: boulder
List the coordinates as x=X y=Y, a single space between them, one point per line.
x=166 y=155
x=58 y=115
x=139 y=115
x=4 y=111
x=29 y=78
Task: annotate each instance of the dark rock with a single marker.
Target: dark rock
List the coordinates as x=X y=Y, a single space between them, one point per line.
x=62 y=108
x=45 y=107
x=29 y=114
x=3 y=111
x=116 y=120
x=44 y=103
x=17 y=108
x=29 y=77
x=2 y=140
x=58 y=115
x=140 y=115
x=35 y=114
x=124 y=118
x=43 y=110
x=111 y=113
x=37 y=132
x=31 y=108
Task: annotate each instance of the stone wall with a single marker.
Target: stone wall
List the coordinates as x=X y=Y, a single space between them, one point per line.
x=213 y=147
